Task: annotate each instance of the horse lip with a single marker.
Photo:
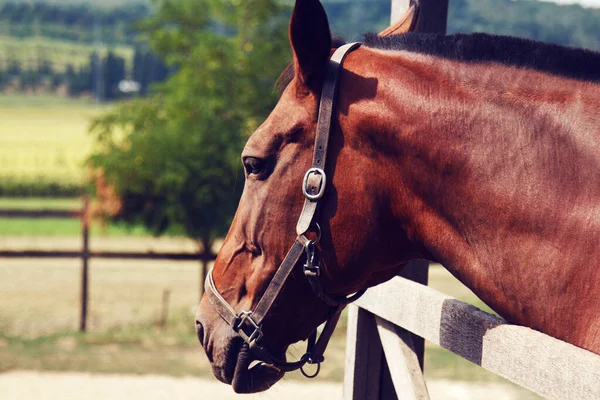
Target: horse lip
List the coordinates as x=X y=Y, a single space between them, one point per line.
x=252 y=376
x=262 y=364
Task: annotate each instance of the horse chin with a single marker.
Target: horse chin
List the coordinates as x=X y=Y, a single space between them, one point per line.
x=245 y=373
x=251 y=376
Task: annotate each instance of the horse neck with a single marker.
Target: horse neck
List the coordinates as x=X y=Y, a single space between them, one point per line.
x=482 y=183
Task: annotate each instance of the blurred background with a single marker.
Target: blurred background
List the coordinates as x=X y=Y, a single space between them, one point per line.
x=121 y=125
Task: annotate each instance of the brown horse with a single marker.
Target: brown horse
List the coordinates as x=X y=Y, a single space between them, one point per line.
x=478 y=152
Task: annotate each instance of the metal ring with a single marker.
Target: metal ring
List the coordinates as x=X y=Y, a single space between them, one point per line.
x=313 y=375
x=317 y=231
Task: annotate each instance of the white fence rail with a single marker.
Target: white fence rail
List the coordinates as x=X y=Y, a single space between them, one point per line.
x=540 y=363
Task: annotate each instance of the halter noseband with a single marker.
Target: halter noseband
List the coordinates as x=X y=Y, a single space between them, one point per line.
x=248 y=324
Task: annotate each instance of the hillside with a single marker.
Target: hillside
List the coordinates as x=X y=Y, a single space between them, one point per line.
x=51 y=42
x=72 y=22
x=112 y=21
x=96 y=3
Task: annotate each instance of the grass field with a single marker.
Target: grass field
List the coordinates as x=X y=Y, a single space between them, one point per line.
x=39 y=316
x=45 y=137
x=60 y=52
x=54 y=227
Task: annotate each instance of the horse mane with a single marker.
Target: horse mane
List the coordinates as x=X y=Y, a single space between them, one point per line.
x=569 y=62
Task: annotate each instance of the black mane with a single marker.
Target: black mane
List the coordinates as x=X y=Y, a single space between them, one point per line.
x=480 y=48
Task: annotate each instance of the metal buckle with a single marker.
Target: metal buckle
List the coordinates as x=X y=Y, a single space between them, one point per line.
x=319 y=194
x=237 y=327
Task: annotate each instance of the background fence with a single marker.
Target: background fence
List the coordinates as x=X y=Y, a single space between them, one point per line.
x=85 y=254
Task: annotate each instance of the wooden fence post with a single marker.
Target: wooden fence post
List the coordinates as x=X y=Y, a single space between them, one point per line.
x=399 y=7
x=85 y=255
x=433 y=16
x=406 y=369
x=363 y=356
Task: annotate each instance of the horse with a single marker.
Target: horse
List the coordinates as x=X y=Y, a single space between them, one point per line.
x=478 y=152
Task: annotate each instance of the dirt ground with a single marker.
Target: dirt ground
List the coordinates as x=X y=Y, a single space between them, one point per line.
x=41 y=297
x=76 y=386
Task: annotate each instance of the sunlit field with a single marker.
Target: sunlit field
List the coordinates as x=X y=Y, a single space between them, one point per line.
x=55 y=227
x=60 y=52
x=45 y=138
x=39 y=319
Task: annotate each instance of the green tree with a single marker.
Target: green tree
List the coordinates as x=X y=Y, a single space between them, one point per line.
x=114 y=72
x=3 y=79
x=172 y=159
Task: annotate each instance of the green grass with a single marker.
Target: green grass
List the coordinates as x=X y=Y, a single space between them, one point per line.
x=33 y=203
x=137 y=348
x=10 y=227
x=23 y=227
x=42 y=101
x=59 y=52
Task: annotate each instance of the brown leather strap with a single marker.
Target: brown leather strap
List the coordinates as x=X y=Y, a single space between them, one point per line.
x=248 y=323
x=218 y=302
x=228 y=313
x=326 y=108
x=276 y=284
x=317 y=352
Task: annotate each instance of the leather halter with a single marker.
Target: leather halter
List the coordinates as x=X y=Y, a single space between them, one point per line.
x=248 y=324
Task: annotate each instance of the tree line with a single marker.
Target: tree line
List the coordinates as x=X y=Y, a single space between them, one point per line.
x=78 y=22
x=105 y=78
x=563 y=24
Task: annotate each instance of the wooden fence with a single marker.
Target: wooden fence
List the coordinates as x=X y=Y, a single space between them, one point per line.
x=382 y=362
x=85 y=254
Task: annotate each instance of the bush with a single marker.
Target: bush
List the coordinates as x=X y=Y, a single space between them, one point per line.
x=172 y=160
x=38 y=187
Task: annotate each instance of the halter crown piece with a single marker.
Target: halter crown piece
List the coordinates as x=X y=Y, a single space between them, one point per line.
x=248 y=324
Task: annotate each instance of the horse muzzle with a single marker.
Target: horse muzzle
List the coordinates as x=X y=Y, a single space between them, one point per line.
x=232 y=361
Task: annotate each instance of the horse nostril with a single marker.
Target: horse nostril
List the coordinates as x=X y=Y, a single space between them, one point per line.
x=200 y=332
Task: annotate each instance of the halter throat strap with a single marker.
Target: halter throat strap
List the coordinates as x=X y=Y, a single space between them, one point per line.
x=248 y=324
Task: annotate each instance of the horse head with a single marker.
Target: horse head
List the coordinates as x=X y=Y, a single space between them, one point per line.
x=360 y=244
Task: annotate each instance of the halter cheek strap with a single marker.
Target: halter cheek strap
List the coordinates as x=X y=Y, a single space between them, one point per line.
x=248 y=324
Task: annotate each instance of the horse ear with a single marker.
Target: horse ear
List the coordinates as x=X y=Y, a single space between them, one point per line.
x=311 y=42
x=407 y=23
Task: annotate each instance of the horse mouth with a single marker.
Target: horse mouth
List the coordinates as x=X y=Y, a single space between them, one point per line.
x=248 y=375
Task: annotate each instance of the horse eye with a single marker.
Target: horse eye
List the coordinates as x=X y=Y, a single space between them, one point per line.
x=253 y=165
